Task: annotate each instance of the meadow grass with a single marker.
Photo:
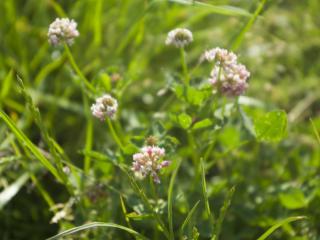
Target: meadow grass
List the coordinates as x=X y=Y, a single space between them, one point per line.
x=241 y=167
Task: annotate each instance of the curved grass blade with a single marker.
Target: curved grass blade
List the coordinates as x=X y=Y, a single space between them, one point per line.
x=8 y=193
x=170 y=190
x=279 y=224
x=190 y=214
x=219 y=9
x=94 y=225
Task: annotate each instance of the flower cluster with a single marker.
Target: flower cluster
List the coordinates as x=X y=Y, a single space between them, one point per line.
x=228 y=76
x=62 y=30
x=148 y=162
x=179 y=37
x=105 y=106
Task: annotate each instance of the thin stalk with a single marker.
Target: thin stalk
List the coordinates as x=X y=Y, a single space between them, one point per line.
x=184 y=66
x=77 y=69
x=89 y=135
x=114 y=134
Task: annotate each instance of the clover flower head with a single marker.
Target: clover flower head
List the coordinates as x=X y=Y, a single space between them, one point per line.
x=230 y=80
x=105 y=107
x=149 y=162
x=62 y=30
x=222 y=56
x=227 y=76
x=179 y=37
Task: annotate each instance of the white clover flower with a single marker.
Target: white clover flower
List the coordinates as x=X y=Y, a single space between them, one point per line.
x=222 y=56
x=62 y=30
x=230 y=80
x=148 y=162
x=227 y=76
x=105 y=106
x=179 y=37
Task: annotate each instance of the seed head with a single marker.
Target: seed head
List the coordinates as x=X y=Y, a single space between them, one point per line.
x=62 y=30
x=179 y=37
x=105 y=106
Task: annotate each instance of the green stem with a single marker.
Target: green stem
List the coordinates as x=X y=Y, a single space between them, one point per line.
x=114 y=134
x=77 y=69
x=89 y=134
x=184 y=66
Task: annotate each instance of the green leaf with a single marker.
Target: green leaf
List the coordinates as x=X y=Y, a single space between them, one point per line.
x=293 y=200
x=202 y=124
x=279 y=224
x=272 y=127
x=94 y=225
x=197 y=97
x=184 y=120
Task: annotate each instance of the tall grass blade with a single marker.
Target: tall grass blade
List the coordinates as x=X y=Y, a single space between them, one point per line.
x=189 y=216
x=238 y=40
x=223 y=210
x=24 y=140
x=170 y=198
x=205 y=193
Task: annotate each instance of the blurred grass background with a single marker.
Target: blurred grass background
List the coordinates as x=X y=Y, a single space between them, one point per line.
x=122 y=43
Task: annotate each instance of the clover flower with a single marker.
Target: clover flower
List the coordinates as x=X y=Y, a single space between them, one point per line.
x=179 y=37
x=227 y=76
x=105 y=106
x=230 y=80
x=148 y=162
x=62 y=30
x=222 y=56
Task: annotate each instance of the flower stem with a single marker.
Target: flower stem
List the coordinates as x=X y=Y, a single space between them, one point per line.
x=114 y=134
x=77 y=69
x=184 y=66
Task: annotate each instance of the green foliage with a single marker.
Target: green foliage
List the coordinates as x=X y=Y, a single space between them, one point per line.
x=65 y=174
x=271 y=127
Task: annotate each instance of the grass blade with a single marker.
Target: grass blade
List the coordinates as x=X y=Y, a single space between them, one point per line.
x=188 y=218
x=6 y=85
x=170 y=191
x=238 y=40
x=205 y=193
x=94 y=225
x=219 y=9
x=279 y=224
x=8 y=193
x=316 y=132
x=23 y=139
x=223 y=210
